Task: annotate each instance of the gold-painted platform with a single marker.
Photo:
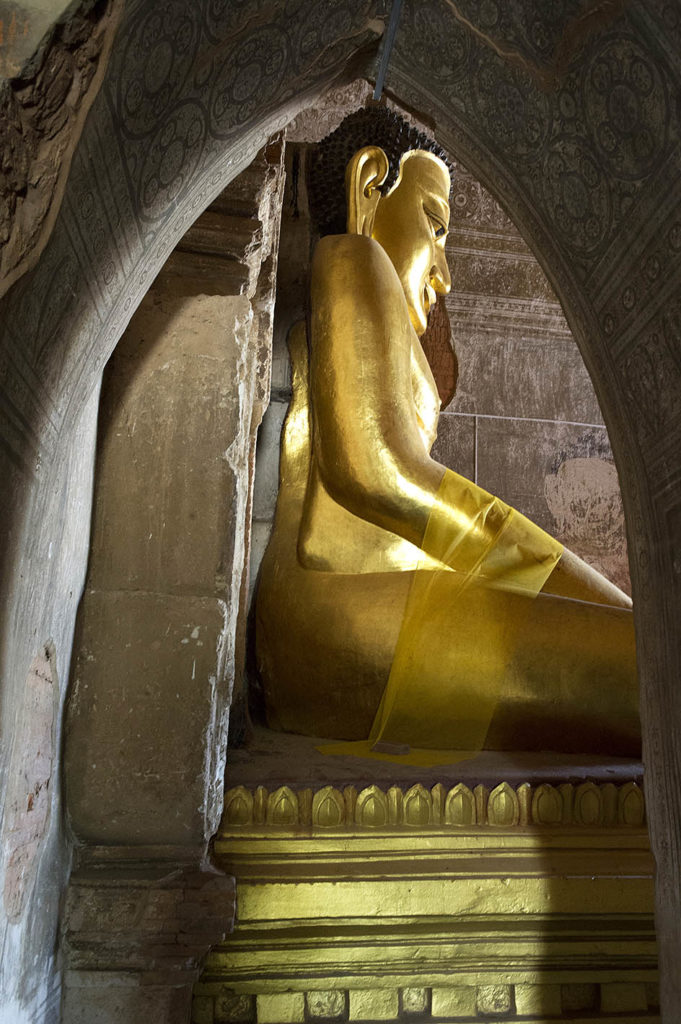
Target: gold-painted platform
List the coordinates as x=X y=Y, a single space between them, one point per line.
x=523 y=903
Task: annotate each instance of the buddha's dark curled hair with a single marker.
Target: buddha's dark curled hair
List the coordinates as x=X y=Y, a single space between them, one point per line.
x=371 y=126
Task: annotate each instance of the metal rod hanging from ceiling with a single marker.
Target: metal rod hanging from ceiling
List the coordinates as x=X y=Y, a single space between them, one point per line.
x=389 y=39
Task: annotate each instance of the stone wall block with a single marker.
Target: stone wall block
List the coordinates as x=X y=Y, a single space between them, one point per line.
x=455 y=444
x=105 y=1004
x=507 y=366
x=148 y=665
x=165 y=490
x=131 y=955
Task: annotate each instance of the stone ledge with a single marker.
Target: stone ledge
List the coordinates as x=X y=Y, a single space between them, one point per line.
x=274 y=759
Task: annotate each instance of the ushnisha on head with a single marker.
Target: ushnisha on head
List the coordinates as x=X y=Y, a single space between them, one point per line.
x=396 y=189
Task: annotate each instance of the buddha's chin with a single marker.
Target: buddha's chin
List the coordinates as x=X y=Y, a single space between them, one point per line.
x=419 y=318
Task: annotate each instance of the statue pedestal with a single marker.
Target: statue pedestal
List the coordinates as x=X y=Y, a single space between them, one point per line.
x=458 y=902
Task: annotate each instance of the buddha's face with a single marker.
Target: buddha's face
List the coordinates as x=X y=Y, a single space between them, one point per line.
x=411 y=224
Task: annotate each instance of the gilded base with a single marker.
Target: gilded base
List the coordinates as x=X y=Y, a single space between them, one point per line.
x=530 y=904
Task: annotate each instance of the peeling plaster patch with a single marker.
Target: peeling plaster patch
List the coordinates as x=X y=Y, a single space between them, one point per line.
x=217 y=728
x=45 y=97
x=583 y=495
x=318 y=120
x=22 y=28
x=28 y=804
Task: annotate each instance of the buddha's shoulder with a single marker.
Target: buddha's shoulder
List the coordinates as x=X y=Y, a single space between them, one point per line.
x=342 y=258
x=354 y=247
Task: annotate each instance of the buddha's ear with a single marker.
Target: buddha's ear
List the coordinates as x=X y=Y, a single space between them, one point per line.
x=364 y=175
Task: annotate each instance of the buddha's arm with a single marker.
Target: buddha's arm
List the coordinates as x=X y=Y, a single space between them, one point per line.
x=367 y=444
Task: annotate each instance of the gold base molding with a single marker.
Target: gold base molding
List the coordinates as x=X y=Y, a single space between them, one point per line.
x=526 y=904
x=586 y=804
x=459 y=1004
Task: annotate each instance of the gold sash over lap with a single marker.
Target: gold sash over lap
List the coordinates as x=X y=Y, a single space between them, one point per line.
x=461 y=624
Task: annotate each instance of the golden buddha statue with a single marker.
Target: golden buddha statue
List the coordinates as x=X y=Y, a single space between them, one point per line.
x=400 y=604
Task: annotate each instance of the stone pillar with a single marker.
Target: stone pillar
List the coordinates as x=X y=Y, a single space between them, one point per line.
x=154 y=649
x=155 y=656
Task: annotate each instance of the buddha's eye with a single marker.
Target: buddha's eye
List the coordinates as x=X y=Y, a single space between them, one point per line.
x=439 y=229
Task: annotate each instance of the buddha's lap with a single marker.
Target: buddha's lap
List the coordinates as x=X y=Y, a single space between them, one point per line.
x=325 y=644
x=573 y=670
x=326 y=664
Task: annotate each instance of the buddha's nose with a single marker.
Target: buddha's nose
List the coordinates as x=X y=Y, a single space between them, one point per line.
x=439 y=276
